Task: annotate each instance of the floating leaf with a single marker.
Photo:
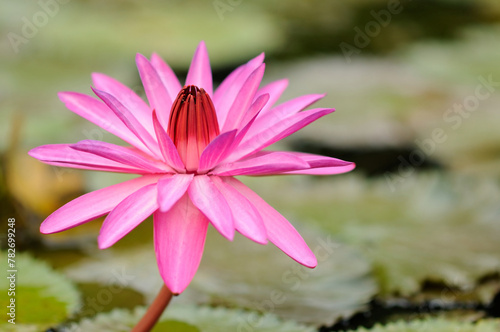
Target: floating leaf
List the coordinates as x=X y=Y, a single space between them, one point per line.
x=413 y=228
x=189 y=318
x=43 y=296
x=174 y=325
x=244 y=274
x=436 y=325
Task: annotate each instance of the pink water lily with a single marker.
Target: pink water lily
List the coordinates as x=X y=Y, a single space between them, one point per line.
x=187 y=145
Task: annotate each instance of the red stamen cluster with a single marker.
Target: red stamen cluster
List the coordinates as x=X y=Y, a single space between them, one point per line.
x=192 y=124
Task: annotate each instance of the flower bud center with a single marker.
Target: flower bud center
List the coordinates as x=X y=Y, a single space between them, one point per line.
x=192 y=124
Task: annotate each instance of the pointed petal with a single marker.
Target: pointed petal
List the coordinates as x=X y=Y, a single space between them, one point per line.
x=275 y=90
x=167 y=147
x=65 y=156
x=227 y=91
x=247 y=219
x=206 y=197
x=200 y=73
x=92 y=205
x=179 y=236
x=126 y=96
x=243 y=99
x=121 y=154
x=158 y=96
x=279 y=230
x=251 y=114
x=320 y=165
x=246 y=124
x=215 y=151
x=280 y=130
x=98 y=113
x=248 y=67
x=126 y=116
x=127 y=215
x=276 y=114
x=171 y=188
x=262 y=164
x=167 y=76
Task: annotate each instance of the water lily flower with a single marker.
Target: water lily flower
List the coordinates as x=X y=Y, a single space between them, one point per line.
x=187 y=145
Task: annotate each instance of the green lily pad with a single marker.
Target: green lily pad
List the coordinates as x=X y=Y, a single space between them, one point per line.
x=174 y=325
x=436 y=325
x=423 y=227
x=247 y=275
x=244 y=274
x=189 y=318
x=468 y=116
x=43 y=297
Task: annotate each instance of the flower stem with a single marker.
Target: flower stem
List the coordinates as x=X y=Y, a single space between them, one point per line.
x=154 y=311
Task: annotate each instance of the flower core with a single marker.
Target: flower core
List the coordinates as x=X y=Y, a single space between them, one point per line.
x=192 y=124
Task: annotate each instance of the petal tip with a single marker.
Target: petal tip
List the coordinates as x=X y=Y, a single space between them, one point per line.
x=95 y=76
x=227 y=233
x=310 y=262
x=33 y=152
x=103 y=243
x=46 y=229
x=63 y=96
x=139 y=58
x=202 y=44
x=174 y=288
x=262 y=241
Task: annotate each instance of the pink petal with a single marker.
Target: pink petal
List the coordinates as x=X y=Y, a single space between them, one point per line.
x=277 y=114
x=126 y=96
x=250 y=66
x=252 y=114
x=247 y=219
x=280 y=130
x=263 y=164
x=127 y=215
x=227 y=91
x=243 y=99
x=171 y=188
x=215 y=151
x=126 y=116
x=206 y=197
x=200 y=73
x=98 y=113
x=167 y=76
x=167 y=147
x=158 y=96
x=179 y=236
x=320 y=165
x=275 y=90
x=122 y=155
x=279 y=230
x=65 y=156
x=92 y=205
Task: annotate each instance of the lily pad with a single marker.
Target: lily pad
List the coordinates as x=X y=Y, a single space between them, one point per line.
x=189 y=318
x=436 y=325
x=469 y=115
x=43 y=296
x=433 y=227
x=247 y=275
x=262 y=278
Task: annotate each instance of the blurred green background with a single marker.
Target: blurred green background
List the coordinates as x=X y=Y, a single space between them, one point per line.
x=416 y=226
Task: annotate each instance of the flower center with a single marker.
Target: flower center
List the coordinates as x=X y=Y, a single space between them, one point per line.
x=192 y=124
